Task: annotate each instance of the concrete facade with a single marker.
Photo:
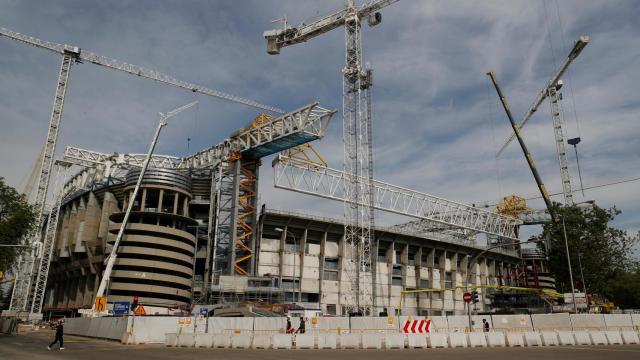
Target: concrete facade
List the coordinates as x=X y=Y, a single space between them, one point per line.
x=163 y=256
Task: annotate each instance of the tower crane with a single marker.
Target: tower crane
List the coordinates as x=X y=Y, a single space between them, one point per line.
x=551 y=90
x=70 y=55
x=357 y=135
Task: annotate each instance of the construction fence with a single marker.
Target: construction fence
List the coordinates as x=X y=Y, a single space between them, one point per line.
x=154 y=329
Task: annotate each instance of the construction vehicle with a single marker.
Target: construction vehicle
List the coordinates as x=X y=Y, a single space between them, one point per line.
x=523 y=146
x=551 y=91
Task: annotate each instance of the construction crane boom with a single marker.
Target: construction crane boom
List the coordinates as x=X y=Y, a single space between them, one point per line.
x=573 y=54
x=114 y=250
x=277 y=39
x=523 y=146
x=88 y=56
x=73 y=54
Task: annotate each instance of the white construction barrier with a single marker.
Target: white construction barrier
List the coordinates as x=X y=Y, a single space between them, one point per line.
x=549 y=338
x=511 y=323
x=618 y=321
x=532 y=338
x=269 y=325
x=635 y=319
x=329 y=325
x=438 y=340
x=327 y=341
x=458 y=339
x=566 y=338
x=496 y=339
x=587 y=322
x=262 y=341
x=515 y=339
x=439 y=324
x=186 y=340
x=613 y=337
x=477 y=339
x=204 y=340
x=222 y=341
x=598 y=338
x=582 y=338
x=151 y=329
x=241 y=341
x=305 y=341
x=461 y=322
x=393 y=341
x=366 y=324
x=230 y=325
x=371 y=341
x=282 y=341
x=630 y=337
x=350 y=341
x=417 y=341
x=542 y=322
x=171 y=340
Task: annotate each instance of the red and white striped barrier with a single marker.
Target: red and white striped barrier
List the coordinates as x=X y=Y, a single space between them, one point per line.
x=417 y=326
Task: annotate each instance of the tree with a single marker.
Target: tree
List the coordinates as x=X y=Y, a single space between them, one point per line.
x=602 y=251
x=624 y=289
x=17 y=219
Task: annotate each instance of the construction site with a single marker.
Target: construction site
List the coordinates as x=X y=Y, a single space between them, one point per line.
x=122 y=233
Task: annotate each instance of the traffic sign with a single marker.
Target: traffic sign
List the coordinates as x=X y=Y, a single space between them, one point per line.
x=140 y=310
x=121 y=308
x=417 y=326
x=101 y=303
x=204 y=311
x=467 y=297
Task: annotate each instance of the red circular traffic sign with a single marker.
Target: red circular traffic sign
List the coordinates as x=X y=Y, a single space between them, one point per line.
x=467 y=297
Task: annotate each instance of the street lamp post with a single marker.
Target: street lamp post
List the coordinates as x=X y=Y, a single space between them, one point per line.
x=295 y=244
x=566 y=245
x=586 y=204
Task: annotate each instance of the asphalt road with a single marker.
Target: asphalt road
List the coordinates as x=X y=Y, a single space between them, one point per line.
x=34 y=346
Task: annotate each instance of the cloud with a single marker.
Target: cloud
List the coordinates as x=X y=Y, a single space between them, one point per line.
x=437 y=120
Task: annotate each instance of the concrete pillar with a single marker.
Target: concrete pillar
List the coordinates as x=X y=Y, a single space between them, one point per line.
x=109 y=206
x=300 y=253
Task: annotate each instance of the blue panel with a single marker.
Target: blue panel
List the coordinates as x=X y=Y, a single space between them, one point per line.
x=278 y=145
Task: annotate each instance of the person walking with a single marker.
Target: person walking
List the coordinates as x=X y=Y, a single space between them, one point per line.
x=59 y=334
x=289 y=327
x=302 y=326
x=485 y=325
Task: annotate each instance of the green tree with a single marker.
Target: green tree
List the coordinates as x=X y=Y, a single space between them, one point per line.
x=16 y=220
x=603 y=251
x=624 y=289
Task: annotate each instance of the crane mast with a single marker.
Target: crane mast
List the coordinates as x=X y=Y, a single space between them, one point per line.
x=72 y=54
x=357 y=138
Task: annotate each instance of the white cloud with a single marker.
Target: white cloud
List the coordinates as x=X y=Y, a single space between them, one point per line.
x=437 y=120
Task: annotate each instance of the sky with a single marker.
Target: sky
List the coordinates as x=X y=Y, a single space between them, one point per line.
x=437 y=121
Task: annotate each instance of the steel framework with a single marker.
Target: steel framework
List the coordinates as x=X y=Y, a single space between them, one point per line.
x=312 y=179
x=357 y=134
x=49 y=241
x=71 y=54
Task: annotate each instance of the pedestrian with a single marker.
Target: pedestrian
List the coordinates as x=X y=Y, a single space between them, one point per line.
x=59 y=333
x=302 y=326
x=289 y=328
x=485 y=325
